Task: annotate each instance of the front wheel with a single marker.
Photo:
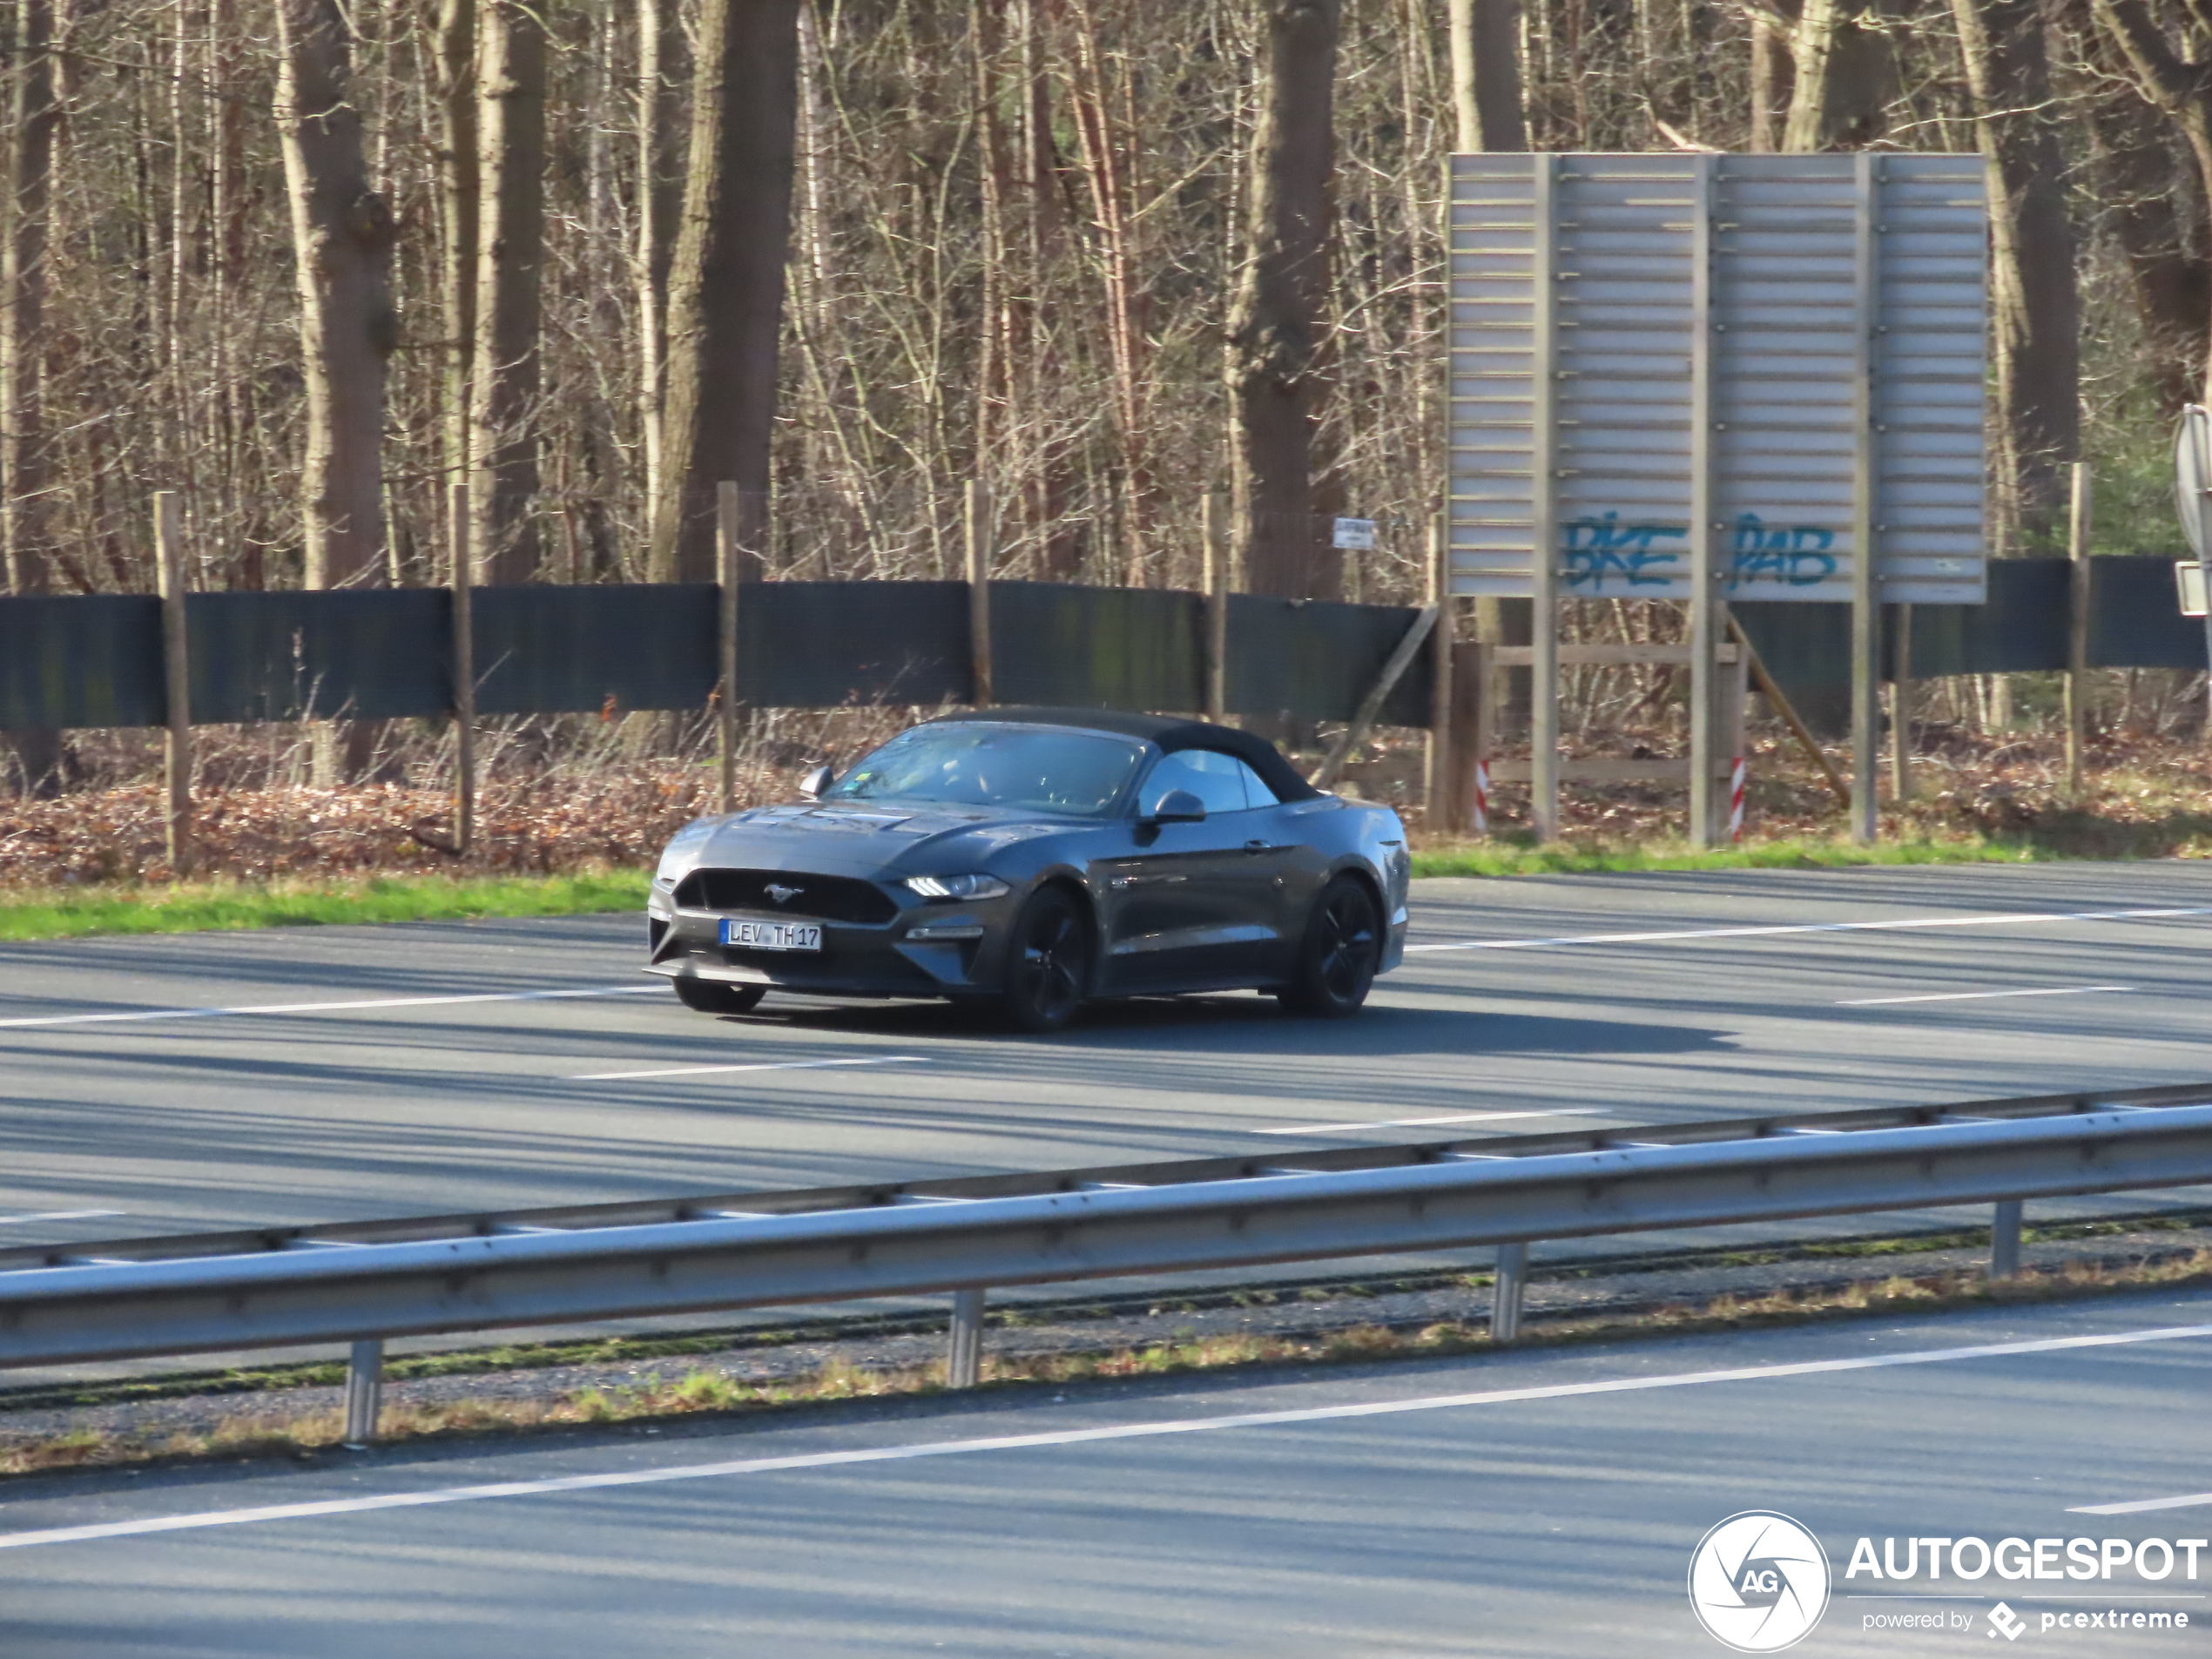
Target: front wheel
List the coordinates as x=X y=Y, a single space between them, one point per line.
x=1338 y=958
x=717 y=996
x=1048 y=969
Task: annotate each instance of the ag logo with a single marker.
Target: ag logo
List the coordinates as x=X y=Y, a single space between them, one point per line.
x=1758 y=1582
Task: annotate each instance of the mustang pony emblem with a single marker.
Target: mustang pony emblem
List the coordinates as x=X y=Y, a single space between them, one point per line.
x=782 y=894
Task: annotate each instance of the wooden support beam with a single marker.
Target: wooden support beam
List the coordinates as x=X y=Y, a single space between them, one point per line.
x=176 y=663
x=727 y=553
x=975 y=540
x=1371 y=705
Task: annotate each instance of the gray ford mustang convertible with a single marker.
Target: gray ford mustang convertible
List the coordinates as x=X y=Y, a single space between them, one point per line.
x=1038 y=857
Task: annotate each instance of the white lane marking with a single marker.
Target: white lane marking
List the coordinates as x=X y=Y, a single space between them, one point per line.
x=1814 y=928
x=1070 y=1437
x=59 y=1215
x=765 y=1065
x=335 y=1008
x=2141 y=1506
x=1977 y=996
x=1416 y=1123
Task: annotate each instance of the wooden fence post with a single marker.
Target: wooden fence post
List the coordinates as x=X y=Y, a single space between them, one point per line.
x=976 y=533
x=1216 y=654
x=1439 y=796
x=176 y=662
x=464 y=675
x=2077 y=629
x=1901 y=707
x=726 y=573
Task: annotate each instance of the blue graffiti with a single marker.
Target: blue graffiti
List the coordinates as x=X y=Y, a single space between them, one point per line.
x=1598 y=549
x=1796 y=556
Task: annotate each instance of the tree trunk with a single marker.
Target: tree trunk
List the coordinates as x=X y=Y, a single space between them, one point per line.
x=726 y=286
x=660 y=199
x=458 y=202
x=1485 y=75
x=2150 y=194
x=2180 y=86
x=2032 y=245
x=1845 y=74
x=1770 y=80
x=1275 y=348
x=510 y=123
x=342 y=234
x=34 y=113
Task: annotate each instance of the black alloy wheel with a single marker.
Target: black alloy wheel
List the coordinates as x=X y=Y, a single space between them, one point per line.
x=1342 y=949
x=718 y=996
x=1048 y=969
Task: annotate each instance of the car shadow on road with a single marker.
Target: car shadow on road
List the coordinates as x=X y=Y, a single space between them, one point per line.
x=1229 y=1025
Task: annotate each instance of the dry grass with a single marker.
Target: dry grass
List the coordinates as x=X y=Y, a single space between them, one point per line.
x=271 y=1430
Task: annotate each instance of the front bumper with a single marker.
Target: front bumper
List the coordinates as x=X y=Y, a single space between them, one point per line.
x=856 y=959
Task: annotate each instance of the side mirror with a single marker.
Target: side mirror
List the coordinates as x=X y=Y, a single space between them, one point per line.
x=813 y=783
x=1177 y=806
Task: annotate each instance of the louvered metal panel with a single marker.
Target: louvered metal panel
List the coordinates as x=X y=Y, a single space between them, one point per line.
x=1784 y=457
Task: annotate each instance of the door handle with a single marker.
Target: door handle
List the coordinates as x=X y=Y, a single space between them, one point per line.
x=1258 y=847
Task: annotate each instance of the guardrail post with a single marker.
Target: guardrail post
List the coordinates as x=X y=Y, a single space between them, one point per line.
x=2004 y=1239
x=1505 y=1299
x=364 y=1393
x=964 y=1359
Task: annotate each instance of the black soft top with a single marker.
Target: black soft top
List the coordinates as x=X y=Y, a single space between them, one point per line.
x=1169 y=731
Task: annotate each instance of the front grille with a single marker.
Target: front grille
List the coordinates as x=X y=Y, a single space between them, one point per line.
x=820 y=898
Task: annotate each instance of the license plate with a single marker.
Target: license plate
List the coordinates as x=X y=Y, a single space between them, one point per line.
x=771 y=935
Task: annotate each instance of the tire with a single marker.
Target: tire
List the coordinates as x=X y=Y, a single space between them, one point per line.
x=1048 y=968
x=718 y=996
x=1338 y=957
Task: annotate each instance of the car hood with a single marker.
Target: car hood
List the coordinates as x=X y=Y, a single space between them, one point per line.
x=834 y=839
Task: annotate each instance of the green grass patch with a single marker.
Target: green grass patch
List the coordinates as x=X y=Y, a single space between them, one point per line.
x=1521 y=855
x=202 y=907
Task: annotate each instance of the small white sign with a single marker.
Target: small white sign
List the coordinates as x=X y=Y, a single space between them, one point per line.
x=1356 y=535
x=2189 y=581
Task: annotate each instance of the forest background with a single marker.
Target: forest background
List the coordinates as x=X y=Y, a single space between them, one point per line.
x=314 y=263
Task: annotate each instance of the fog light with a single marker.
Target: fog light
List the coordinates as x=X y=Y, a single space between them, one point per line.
x=940 y=935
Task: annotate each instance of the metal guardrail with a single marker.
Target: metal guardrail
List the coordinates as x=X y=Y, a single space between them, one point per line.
x=366 y=1281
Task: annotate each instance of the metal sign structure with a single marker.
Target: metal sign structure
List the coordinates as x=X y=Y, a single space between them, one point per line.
x=2193 y=497
x=1706 y=377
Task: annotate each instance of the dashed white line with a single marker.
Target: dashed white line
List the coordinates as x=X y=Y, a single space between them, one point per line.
x=1419 y=1122
x=333 y=1008
x=1977 y=996
x=368 y=1504
x=761 y=1065
x=2142 y=1505
x=1779 y=929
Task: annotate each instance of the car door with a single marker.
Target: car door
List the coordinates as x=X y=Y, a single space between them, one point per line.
x=1189 y=903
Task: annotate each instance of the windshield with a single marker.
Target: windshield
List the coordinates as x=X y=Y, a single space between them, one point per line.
x=1032 y=767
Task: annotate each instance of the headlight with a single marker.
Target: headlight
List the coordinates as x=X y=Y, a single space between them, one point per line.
x=958 y=887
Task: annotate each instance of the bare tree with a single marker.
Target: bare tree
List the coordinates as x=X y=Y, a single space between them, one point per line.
x=2038 y=315
x=1274 y=344
x=660 y=199
x=342 y=237
x=726 y=286
x=458 y=199
x=2175 y=78
x=503 y=447
x=34 y=114
x=1844 y=76
x=1485 y=75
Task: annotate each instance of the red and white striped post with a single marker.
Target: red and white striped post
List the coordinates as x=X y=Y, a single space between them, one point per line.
x=1481 y=795
x=1735 y=800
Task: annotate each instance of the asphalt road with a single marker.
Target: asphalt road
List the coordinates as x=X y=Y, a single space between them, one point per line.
x=1520 y=1504
x=155 y=1083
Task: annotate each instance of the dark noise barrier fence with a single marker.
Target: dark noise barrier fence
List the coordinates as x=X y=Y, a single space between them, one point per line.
x=377 y=654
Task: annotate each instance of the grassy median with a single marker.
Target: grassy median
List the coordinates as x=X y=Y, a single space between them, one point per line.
x=200 y=907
